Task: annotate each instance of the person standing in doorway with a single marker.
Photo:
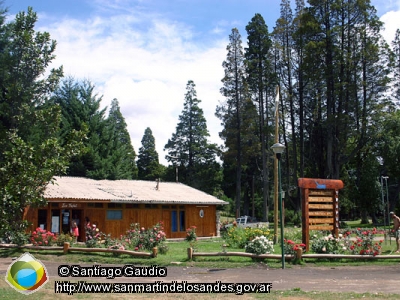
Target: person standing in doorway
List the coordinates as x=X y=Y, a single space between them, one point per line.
x=87 y=222
x=75 y=231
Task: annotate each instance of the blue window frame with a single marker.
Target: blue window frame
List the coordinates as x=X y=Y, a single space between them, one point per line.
x=114 y=214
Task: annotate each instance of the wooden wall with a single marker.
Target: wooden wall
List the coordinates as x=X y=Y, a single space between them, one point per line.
x=205 y=226
x=203 y=217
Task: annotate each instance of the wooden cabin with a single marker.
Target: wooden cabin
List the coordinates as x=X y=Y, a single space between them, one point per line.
x=114 y=205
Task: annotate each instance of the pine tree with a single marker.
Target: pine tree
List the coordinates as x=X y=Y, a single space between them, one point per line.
x=80 y=109
x=189 y=146
x=148 y=163
x=230 y=112
x=119 y=154
x=258 y=68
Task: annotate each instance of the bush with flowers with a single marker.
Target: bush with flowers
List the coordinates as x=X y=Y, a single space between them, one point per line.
x=259 y=245
x=94 y=236
x=191 y=235
x=329 y=244
x=115 y=245
x=291 y=247
x=42 y=237
x=364 y=244
x=138 y=238
x=239 y=236
x=64 y=238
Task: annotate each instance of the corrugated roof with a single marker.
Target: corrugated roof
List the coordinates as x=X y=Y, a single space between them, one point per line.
x=129 y=191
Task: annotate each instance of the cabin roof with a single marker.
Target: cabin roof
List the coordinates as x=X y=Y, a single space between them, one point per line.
x=71 y=189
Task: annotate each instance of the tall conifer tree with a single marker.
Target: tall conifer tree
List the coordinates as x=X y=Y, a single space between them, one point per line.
x=189 y=146
x=148 y=164
x=230 y=111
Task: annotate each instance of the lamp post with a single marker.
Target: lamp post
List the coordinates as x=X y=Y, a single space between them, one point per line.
x=387 y=201
x=278 y=149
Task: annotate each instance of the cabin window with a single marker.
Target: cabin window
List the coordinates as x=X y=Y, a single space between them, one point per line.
x=174 y=221
x=182 y=220
x=131 y=205
x=178 y=220
x=114 y=205
x=95 y=205
x=114 y=214
x=150 y=206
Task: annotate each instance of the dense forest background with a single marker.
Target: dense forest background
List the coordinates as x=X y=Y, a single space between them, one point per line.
x=338 y=106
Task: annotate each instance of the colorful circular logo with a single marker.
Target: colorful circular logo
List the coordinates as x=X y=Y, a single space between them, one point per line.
x=26 y=274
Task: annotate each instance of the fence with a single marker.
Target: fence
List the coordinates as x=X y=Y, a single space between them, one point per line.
x=66 y=249
x=298 y=256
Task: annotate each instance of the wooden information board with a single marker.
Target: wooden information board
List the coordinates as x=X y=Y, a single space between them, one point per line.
x=320 y=206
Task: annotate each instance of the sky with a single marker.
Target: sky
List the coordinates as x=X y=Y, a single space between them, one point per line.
x=144 y=52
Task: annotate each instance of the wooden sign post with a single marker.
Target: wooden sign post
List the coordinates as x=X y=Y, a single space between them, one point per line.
x=320 y=206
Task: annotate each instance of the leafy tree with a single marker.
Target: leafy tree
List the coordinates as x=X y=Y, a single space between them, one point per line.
x=396 y=69
x=189 y=147
x=31 y=153
x=148 y=163
x=389 y=151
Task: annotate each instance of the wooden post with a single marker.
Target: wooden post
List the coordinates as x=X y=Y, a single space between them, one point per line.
x=155 y=250
x=299 y=253
x=66 y=247
x=190 y=253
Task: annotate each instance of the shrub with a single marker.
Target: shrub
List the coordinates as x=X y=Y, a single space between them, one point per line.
x=19 y=238
x=191 y=235
x=42 y=237
x=94 y=236
x=329 y=244
x=138 y=238
x=64 y=238
x=252 y=233
x=364 y=243
x=291 y=247
x=115 y=245
x=259 y=245
x=236 y=237
x=163 y=248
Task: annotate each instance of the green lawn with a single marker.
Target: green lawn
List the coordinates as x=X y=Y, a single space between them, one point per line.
x=177 y=254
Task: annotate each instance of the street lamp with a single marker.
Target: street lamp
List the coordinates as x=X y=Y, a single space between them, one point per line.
x=278 y=149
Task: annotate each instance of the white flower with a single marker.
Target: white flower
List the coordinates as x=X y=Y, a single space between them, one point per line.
x=340 y=235
x=323 y=249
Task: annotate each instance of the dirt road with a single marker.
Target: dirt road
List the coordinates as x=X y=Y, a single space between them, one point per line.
x=360 y=279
